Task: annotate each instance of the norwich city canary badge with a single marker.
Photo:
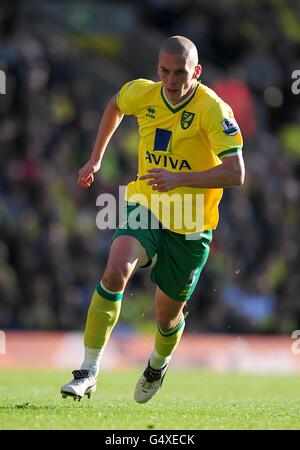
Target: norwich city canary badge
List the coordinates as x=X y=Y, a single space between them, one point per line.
x=187 y=119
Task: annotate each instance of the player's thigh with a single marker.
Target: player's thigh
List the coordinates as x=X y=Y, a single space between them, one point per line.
x=168 y=311
x=126 y=250
x=140 y=242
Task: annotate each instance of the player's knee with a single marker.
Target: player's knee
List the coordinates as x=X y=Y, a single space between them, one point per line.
x=165 y=322
x=116 y=277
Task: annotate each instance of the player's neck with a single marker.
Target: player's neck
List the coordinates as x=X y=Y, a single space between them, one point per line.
x=185 y=98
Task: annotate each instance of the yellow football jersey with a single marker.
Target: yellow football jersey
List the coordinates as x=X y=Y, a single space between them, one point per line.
x=189 y=137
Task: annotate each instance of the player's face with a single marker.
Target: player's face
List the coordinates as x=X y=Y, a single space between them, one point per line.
x=178 y=76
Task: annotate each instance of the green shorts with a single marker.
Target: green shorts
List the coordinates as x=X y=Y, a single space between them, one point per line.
x=179 y=260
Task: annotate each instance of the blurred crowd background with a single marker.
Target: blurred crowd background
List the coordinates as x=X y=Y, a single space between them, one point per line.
x=63 y=61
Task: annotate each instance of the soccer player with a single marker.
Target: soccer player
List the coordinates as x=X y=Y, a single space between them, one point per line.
x=190 y=149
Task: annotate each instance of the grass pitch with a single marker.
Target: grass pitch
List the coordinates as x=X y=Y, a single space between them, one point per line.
x=189 y=400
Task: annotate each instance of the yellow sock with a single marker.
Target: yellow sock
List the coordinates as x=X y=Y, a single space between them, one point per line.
x=102 y=316
x=165 y=343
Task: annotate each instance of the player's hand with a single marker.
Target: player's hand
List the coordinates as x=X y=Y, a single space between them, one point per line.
x=161 y=180
x=86 y=174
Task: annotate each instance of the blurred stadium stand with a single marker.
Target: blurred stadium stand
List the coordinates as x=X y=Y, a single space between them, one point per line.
x=63 y=61
x=210 y=352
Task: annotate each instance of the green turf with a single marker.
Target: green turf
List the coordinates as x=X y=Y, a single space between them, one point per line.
x=188 y=400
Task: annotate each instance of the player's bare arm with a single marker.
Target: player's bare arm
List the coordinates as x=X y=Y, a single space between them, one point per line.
x=231 y=172
x=110 y=121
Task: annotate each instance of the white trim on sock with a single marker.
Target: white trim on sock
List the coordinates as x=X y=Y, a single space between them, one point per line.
x=107 y=290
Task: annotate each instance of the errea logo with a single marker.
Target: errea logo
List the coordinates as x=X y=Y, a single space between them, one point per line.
x=151 y=112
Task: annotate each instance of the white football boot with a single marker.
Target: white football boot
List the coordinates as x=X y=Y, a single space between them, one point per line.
x=84 y=383
x=149 y=383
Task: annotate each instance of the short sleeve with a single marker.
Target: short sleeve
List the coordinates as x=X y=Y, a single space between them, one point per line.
x=222 y=130
x=129 y=96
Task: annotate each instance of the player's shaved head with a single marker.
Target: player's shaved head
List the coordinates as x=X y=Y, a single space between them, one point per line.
x=181 y=46
x=178 y=68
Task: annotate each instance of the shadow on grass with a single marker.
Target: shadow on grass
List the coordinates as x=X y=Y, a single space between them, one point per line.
x=32 y=407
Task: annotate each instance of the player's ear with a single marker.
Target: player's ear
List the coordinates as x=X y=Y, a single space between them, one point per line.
x=158 y=70
x=197 y=72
